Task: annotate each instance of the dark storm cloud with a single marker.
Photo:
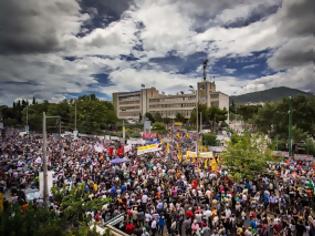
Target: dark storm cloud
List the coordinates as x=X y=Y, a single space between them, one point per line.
x=31 y=26
x=297 y=17
x=296 y=23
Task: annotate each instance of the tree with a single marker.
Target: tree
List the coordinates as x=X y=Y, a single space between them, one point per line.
x=272 y=118
x=157 y=117
x=76 y=202
x=38 y=221
x=159 y=127
x=180 y=118
x=215 y=116
x=149 y=116
x=310 y=146
x=248 y=112
x=246 y=156
x=209 y=139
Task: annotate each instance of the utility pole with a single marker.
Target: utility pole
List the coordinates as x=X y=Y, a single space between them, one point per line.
x=197 y=109
x=45 y=167
x=45 y=158
x=290 y=128
x=200 y=121
x=75 y=115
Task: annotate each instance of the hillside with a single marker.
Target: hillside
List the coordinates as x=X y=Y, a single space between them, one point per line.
x=272 y=94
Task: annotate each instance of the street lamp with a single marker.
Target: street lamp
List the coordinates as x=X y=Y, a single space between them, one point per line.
x=197 y=103
x=197 y=113
x=45 y=161
x=290 y=128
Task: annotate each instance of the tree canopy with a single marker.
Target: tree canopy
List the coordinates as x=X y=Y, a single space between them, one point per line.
x=246 y=155
x=93 y=115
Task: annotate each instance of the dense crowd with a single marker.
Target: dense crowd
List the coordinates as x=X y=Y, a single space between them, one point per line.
x=160 y=195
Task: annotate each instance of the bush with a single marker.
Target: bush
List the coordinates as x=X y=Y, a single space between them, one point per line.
x=159 y=127
x=209 y=139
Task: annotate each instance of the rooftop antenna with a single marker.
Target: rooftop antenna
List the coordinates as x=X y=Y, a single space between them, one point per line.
x=205 y=64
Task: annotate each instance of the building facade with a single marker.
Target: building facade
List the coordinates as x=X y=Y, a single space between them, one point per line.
x=134 y=105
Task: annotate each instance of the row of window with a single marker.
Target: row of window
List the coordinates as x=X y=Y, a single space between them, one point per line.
x=129 y=102
x=175 y=99
x=173 y=113
x=129 y=108
x=130 y=113
x=174 y=105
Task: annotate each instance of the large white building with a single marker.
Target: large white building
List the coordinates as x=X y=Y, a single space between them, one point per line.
x=133 y=105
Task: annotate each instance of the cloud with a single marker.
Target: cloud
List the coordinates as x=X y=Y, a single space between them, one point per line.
x=54 y=48
x=296 y=52
x=48 y=76
x=301 y=78
x=296 y=26
x=32 y=26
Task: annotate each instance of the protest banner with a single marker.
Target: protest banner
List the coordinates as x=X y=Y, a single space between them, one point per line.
x=148 y=149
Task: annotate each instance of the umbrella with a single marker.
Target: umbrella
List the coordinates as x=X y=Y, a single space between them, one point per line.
x=119 y=160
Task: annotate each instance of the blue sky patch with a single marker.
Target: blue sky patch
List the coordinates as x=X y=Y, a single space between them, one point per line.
x=248 y=67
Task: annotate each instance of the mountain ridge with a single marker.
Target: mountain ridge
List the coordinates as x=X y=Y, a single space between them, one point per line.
x=272 y=94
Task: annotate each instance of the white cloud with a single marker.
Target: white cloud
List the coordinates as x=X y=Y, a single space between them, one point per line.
x=48 y=32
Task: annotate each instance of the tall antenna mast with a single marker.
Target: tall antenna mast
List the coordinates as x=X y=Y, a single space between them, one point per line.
x=205 y=64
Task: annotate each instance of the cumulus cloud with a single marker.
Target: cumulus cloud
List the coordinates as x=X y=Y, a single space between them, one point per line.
x=50 y=49
x=32 y=26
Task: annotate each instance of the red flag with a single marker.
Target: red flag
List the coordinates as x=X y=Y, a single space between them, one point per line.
x=110 y=151
x=120 y=151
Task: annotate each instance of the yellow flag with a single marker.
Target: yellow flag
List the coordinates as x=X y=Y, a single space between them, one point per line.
x=206 y=164
x=214 y=165
x=167 y=148
x=180 y=156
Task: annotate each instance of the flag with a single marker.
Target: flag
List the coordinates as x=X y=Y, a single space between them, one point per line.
x=206 y=164
x=180 y=156
x=110 y=151
x=120 y=151
x=167 y=148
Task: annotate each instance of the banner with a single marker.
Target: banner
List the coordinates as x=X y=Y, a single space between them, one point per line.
x=136 y=141
x=148 y=149
x=200 y=154
x=149 y=135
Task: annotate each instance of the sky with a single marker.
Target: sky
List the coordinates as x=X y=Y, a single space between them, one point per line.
x=61 y=49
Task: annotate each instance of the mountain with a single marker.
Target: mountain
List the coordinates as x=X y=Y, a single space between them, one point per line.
x=272 y=94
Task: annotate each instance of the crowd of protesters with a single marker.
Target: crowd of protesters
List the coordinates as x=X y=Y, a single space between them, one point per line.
x=160 y=195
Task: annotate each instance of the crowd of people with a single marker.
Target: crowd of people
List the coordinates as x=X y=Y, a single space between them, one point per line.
x=162 y=195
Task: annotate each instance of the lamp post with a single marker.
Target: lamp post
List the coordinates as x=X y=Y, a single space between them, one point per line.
x=197 y=122
x=45 y=158
x=290 y=128
x=197 y=103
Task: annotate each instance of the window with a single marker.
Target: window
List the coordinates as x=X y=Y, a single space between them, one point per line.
x=214 y=95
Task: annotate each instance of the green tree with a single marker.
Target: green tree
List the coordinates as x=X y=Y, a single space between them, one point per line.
x=157 y=117
x=248 y=112
x=310 y=146
x=150 y=117
x=209 y=139
x=76 y=202
x=180 y=118
x=246 y=156
x=159 y=127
